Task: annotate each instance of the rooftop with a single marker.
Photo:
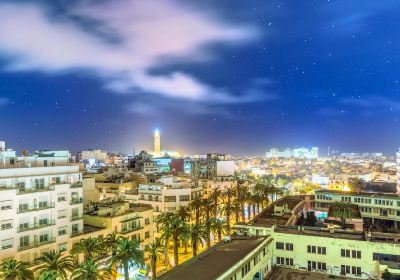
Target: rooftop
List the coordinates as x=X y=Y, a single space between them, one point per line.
x=267 y=216
x=369 y=194
x=213 y=262
x=279 y=273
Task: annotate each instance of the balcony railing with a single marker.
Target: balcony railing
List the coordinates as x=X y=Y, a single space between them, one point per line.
x=76 y=200
x=36 y=207
x=7 y=188
x=35 y=189
x=129 y=230
x=76 y=233
x=36 y=226
x=76 y=218
x=76 y=185
x=36 y=244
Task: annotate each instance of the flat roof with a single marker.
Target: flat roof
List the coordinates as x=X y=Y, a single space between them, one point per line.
x=280 y=273
x=212 y=263
x=369 y=194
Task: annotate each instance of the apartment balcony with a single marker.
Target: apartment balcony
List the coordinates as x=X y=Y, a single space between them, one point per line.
x=129 y=230
x=76 y=185
x=21 y=191
x=28 y=246
x=78 y=200
x=36 y=244
x=46 y=242
x=8 y=188
x=76 y=233
x=76 y=218
x=36 y=226
x=35 y=208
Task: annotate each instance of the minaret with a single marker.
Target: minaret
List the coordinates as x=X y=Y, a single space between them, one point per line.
x=157 y=145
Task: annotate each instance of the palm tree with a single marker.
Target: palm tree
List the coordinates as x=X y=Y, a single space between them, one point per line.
x=89 y=247
x=15 y=270
x=48 y=275
x=54 y=260
x=163 y=221
x=218 y=227
x=111 y=243
x=341 y=210
x=215 y=195
x=207 y=207
x=228 y=194
x=91 y=269
x=179 y=230
x=195 y=206
x=237 y=209
x=155 y=250
x=128 y=253
x=196 y=235
x=257 y=200
x=184 y=212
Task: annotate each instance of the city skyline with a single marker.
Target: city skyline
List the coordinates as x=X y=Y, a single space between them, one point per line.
x=102 y=74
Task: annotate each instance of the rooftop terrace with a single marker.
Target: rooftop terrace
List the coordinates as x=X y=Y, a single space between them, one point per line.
x=213 y=262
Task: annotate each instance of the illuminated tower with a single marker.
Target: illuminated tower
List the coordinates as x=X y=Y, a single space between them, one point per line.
x=157 y=144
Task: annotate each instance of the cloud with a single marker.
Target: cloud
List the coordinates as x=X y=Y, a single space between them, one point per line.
x=124 y=40
x=372 y=102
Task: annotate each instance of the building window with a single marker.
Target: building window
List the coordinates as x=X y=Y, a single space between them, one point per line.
x=289 y=246
x=170 y=198
x=6 y=204
x=7 y=243
x=61 y=197
x=280 y=245
x=147 y=234
x=62 y=231
x=147 y=221
x=6 y=224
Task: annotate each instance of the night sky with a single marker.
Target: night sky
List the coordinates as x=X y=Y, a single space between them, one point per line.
x=231 y=76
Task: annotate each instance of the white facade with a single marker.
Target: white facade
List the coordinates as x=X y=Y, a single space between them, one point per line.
x=98 y=155
x=40 y=209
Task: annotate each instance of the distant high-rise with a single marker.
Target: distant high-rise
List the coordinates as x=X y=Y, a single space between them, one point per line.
x=157 y=145
x=293 y=153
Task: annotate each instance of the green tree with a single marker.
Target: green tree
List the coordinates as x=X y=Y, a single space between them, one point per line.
x=227 y=208
x=15 y=270
x=215 y=195
x=163 y=222
x=218 y=227
x=207 y=208
x=196 y=206
x=196 y=235
x=89 y=247
x=155 y=250
x=342 y=211
x=56 y=261
x=128 y=253
x=179 y=230
x=91 y=269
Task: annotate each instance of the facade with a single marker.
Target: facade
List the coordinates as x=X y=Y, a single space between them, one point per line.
x=134 y=221
x=373 y=207
x=97 y=155
x=41 y=209
x=398 y=171
x=168 y=193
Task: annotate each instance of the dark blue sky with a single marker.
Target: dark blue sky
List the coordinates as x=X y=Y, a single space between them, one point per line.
x=230 y=76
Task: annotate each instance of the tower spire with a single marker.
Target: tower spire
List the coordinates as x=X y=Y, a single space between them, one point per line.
x=157 y=145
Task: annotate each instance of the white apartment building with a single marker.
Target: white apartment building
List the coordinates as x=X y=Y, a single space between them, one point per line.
x=167 y=194
x=40 y=209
